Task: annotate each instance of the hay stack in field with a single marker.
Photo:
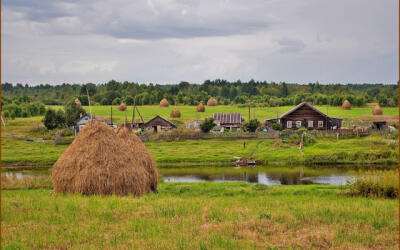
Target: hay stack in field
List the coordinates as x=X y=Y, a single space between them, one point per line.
x=175 y=113
x=377 y=110
x=212 y=102
x=99 y=162
x=164 y=103
x=137 y=148
x=122 y=107
x=200 y=107
x=346 y=105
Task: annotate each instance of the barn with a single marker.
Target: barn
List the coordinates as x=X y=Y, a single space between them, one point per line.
x=306 y=115
x=228 y=120
x=159 y=123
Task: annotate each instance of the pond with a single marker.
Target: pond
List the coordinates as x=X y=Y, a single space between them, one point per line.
x=260 y=174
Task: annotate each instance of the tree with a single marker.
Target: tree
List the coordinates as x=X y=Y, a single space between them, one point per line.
x=285 y=91
x=50 y=119
x=129 y=100
x=72 y=112
x=116 y=101
x=60 y=118
x=252 y=125
x=207 y=125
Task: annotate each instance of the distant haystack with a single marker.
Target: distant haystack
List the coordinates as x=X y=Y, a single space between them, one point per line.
x=98 y=162
x=77 y=102
x=346 y=105
x=175 y=113
x=377 y=110
x=164 y=103
x=137 y=147
x=200 y=107
x=122 y=107
x=212 y=102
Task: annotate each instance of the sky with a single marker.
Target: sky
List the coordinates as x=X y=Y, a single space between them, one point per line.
x=168 y=41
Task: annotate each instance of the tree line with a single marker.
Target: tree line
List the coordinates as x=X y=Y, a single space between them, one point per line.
x=260 y=93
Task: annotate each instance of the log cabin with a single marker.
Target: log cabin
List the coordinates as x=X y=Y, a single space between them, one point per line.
x=159 y=124
x=306 y=115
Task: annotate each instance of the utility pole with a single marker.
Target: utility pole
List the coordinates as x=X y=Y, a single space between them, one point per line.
x=111 y=113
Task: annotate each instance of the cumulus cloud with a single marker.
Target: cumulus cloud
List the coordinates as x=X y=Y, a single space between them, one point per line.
x=167 y=41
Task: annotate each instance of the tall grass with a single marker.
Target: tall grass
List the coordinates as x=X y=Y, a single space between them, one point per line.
x=27 y=182
x=376 y=183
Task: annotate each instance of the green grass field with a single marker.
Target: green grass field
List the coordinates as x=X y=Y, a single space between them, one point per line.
x=201 y=216
x=366 y=150
x=262 y=113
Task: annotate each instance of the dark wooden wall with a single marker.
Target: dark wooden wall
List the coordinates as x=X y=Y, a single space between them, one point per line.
x=304 y=114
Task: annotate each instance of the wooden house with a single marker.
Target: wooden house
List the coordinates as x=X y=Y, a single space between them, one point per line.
x=228 y=120
x=159 y=123
x=84 y=119
x=306 y=115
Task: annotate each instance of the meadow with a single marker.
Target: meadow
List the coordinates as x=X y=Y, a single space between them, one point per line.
x=201 y=216
x=373 y=149
x=189 y=113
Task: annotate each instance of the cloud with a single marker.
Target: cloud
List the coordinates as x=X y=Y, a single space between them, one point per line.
x=167 y=41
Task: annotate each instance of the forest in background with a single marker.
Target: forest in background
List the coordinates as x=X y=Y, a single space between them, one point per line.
x=26 y=100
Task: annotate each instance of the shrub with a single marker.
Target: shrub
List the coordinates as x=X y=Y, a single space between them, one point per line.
x=207 y=125
x=252 y=125
x=383 y=184
x=50 y=119
x=276 y=126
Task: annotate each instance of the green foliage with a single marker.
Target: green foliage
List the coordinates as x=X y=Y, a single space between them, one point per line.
x=276 y=126
x=207 y=125
x=376 y=184
x=50 y=119
x=252 y=125
x=72 y=112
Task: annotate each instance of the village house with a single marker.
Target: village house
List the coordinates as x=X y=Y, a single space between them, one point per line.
x=84 y=119
x=159 y=124
x=228 y=120
x=306 y=115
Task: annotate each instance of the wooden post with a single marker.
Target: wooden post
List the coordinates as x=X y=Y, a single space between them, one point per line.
x=90 y=108
x=133 y=112
x=111 y=114
x=249 y=111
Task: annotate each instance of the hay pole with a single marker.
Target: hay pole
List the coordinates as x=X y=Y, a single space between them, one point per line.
x=90 y=108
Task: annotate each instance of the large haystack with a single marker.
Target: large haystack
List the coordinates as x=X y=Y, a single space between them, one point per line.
x=164 y=103
x=99 y=162
x=175 y=113
x=212 y=102
x=377 y=110
x=346 y=105
x=137 y=148
x=200 y=107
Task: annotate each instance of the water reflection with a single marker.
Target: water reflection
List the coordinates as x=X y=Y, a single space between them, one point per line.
x=264 y=175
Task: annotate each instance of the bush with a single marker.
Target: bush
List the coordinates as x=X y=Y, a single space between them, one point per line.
x=50 y=119
x=207 y=125
x=276 y=126
x=251 y=125
x=375 y=184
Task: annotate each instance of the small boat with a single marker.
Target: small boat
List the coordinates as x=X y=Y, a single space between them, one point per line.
x=243 y=162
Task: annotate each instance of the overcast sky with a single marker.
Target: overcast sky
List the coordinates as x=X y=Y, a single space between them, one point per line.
x=167 y=41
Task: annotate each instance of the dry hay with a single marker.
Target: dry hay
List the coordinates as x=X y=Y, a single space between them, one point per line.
x=346 y=105
x=137 y=148
x=175 y=113
x=122 y=107
x=98 y=162
x=200 y=107
x=164 y=103
x=212 y=102
x=77 y=102
x=377 y=110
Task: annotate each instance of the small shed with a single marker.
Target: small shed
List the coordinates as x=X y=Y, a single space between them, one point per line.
x=306 y=115
x=228 y=120
x=159 y=123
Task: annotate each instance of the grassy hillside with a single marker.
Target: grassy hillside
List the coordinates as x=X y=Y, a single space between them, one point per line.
x=201 y=216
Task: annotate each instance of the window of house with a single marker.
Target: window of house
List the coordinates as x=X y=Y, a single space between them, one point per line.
x=320 y=124
x=298 y=124
x=289 y=124
x=310 y=124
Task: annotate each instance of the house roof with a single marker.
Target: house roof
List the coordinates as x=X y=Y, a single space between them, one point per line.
x=230 y=118
x=160 y=117
x=301 y=105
